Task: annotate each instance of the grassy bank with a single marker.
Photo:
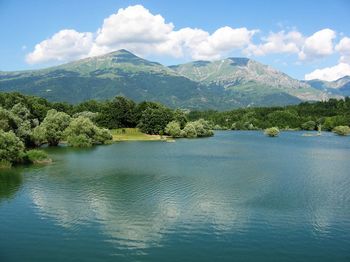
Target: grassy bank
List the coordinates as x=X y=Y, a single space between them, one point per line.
x=133 y=134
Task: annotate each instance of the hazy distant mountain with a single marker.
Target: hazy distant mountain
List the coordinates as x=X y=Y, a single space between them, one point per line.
x=338 y=87
x=224 y=84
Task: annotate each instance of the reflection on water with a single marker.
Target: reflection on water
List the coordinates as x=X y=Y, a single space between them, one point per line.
x=238 y=195
x=10 y=182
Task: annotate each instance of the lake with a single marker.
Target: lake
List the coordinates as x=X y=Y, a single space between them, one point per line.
x=237 y=196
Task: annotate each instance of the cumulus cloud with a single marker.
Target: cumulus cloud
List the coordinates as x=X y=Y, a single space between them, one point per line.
x=65 y=45
x=280 y=42
x=330 y=73
x=135 y=28
x=318 y=45
x=344 y=50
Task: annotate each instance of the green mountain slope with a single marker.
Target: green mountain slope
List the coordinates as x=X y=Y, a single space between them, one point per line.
x=249 y=76
x=224 y=84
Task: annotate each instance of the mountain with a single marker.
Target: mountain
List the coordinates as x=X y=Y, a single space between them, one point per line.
x=339 y=87
x=248 y=76
x=224 y=84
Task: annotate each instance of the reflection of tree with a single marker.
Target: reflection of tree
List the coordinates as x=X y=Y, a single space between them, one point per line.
x=10 y=182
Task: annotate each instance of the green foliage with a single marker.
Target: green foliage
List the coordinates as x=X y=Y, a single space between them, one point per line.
x=203 y=128
x=173 y=129
x=330 y=114
x=180 y=117
x=342 y=130
x=154 y=120
x=309 y=125
x=37 y=156
x=272 y=131
x=117 y=113
x=82 y=132
x=11 y=147
x=79 y=140
x=38 y=135
x=88 y=114
x=54 y=124
x=189 y=130
x=5 y=164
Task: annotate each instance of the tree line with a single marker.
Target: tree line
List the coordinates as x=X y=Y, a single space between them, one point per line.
x=27 y=122
x=305 y=116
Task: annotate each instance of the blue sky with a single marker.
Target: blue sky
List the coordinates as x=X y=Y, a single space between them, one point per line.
x=296 y=37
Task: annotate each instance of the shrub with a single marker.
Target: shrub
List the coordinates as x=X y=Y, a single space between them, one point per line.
x=202 y=128
x=55 y=123
x=309 y=125
x=341 y=130
x=190 y=130
x=37 y=156
x=173 y=129
x=79 y=141
x=82 y=132
x=11 y=147
x=272 y=131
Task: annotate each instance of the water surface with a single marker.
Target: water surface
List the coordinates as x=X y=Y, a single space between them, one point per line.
x=238 y=196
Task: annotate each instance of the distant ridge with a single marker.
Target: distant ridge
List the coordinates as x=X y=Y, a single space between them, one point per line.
x=222 y=84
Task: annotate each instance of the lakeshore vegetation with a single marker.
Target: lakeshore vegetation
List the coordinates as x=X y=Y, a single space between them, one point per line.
x=28 y=122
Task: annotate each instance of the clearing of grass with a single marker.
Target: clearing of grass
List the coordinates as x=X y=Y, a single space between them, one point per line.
x=134 y=134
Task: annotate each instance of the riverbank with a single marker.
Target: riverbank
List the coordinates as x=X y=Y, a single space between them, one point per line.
x=134 y=134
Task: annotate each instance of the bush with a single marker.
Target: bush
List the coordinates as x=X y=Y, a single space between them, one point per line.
x=79 y=141
x=37 y=156
x=54 y=124
x=173 y=129
x=272 y=131
x=189 y=130
x=309 y=125
x=82 y=132
x=11 y=147
x=341 y=130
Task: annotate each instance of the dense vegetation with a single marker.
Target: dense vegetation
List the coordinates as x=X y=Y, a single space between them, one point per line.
x=27 y=122
x=305 y=116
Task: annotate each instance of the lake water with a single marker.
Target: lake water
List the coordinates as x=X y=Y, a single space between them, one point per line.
x=238 y=196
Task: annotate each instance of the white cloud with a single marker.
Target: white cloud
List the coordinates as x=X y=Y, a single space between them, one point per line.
x=344 y=49
x=135 y=28
x=65 y=45
x=318 y=45
x=330 y=73
x=280 y=42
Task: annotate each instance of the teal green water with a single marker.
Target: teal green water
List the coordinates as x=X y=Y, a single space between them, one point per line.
x=238 y=196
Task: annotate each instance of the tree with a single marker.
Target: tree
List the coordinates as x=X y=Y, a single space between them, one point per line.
x=54 y=124
x=190 y=130
x=283 y=119
x=272 y=131
x=309 y=125
x=342 y=130
x=154 y=120
x=82 y=132
x=11 y=147
x=38 y=135
x=180 y=117
x=117 y=113
x=203 y=128
x=173 y=129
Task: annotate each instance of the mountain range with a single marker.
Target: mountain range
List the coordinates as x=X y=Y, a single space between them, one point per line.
x=221 y=85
